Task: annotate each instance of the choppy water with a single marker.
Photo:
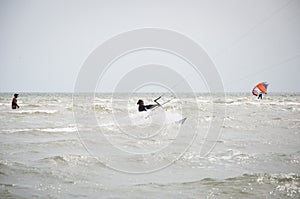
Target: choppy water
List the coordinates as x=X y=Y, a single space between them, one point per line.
x=52 y=149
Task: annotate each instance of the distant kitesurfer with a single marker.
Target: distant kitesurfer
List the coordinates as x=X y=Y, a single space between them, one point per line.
x=143 y=107
x=14 y=104
x=260 y=89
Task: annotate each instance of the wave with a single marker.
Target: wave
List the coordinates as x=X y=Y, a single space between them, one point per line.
x=33 y=111
x=142 y=119
x=71 y=160
x=223 y=101
x=230 y=155
x=61 y=129
x=247 y=185
x=9 y=167
x=99 y=107
x=33 y=105
x=51 y=130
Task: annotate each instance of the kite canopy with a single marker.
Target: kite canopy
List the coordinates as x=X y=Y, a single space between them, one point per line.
x=260 y=88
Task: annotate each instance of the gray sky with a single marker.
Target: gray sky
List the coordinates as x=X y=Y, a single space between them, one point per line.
x=45 y=43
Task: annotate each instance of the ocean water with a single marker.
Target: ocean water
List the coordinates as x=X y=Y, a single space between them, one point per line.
x=233 y=146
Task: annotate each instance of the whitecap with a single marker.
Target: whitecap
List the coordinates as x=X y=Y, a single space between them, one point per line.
x=64 y=129
x=51 y=130
x=33 y=111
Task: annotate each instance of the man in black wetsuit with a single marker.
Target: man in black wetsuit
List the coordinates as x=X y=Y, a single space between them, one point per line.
x=14 y=104
x=143 y=107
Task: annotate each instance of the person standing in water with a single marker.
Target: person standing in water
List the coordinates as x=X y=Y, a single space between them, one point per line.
x=260 y=96
x=14 y=104
x=143 y=107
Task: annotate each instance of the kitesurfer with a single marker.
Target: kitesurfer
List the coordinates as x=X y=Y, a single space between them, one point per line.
x=143 y=107
x=260 y=89
x=14 y=104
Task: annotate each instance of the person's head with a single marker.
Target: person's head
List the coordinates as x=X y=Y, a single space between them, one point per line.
x=16 y=95
x=140 y=102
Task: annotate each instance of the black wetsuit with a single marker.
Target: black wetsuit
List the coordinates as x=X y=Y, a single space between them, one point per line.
x=14 y=104
x=145 y=107
x=260 y=96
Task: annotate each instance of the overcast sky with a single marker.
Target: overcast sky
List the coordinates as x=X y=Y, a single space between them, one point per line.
x=43 y=44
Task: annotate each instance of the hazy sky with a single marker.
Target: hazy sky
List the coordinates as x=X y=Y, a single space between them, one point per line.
x=43 y=44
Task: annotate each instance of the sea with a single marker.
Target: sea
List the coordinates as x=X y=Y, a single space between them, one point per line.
x=200 y=145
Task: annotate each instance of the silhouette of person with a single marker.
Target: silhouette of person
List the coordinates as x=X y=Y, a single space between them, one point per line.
x=143 y=107
x=14 y=104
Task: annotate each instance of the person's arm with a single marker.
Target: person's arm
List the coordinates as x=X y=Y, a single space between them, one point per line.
x=150 y=106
